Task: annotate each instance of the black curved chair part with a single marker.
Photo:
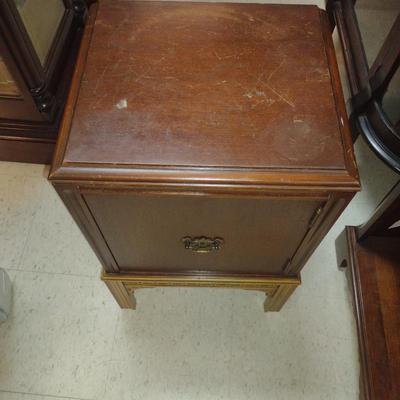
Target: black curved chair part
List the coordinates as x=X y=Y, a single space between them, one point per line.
x=369 y=85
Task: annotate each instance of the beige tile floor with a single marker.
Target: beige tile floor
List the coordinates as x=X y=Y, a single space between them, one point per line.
x=67 y=339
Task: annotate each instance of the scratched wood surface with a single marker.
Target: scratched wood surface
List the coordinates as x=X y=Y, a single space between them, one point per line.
x=191 y=84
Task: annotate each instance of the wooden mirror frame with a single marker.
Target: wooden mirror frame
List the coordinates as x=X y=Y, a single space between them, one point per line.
x=29 y=124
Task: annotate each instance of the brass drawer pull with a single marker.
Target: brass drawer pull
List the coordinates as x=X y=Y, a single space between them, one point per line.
x=202 y=244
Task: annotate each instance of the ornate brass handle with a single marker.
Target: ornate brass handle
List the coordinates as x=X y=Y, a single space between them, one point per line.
x=202 y=244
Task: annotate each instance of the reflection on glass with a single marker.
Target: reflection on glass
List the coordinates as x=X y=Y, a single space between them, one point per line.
x=8 y=87
x=375 y=19
x=41 y=19
x=391 y=99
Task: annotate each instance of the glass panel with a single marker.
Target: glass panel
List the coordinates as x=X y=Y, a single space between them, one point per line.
x=375 y=19
x=8 y=87
x=41 y=19
x=391 y=99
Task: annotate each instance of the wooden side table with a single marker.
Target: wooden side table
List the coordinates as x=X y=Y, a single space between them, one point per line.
x=205 y=145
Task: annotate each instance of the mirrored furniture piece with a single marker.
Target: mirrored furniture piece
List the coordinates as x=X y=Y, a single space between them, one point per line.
x=39 y=40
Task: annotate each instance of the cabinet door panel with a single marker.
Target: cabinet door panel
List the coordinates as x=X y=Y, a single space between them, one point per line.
x=145 y=233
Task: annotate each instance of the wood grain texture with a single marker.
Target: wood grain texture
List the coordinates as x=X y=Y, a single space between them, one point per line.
x=374 y=273
x=247 y=92
x=122 y=295
x=79 y=211
x=277 y=289
x=276 y=301
x=203 y=119
x=329 y=214
x=27 y=150
x=145 y=232
x=29 y=123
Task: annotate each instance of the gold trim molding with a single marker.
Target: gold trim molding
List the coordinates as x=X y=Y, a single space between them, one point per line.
x=277 y=289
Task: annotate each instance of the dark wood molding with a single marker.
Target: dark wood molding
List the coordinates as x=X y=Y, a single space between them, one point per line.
x=35 y=117
x=22 y=106
x=42 y=81
x=343 y=121
x=346 y=256
x=27 y=150
x=83 y=217
x=20 y=45
x=58 y=59
x=373 y=274
x=66 y=121
x=370 y=256
x=343 y=13
x=134 y=174
x=330 y=213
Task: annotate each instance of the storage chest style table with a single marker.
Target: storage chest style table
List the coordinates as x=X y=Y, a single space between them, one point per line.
x=205 y=144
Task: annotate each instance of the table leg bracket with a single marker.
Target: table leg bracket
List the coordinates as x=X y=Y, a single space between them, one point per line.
x=277 y=289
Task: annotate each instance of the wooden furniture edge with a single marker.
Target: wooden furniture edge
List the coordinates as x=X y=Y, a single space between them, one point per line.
x=26 y=150
x=343 y=121
x=206 y=179
x=74 y=89
x=79 y=211
x=331 y=207
x=277 y=289
x=61 y=171
x=329 y=214
x=346 y=244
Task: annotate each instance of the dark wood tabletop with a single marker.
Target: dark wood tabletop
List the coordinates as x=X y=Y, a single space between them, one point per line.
x=204 y=85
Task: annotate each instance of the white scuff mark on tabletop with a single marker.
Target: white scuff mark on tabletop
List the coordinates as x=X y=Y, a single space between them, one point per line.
x=395 y=225
x=123 y=103
x=254 y=93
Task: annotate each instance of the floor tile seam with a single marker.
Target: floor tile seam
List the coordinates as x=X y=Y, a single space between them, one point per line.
x=20 y=270
x=110 y=359
x=45 y=395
